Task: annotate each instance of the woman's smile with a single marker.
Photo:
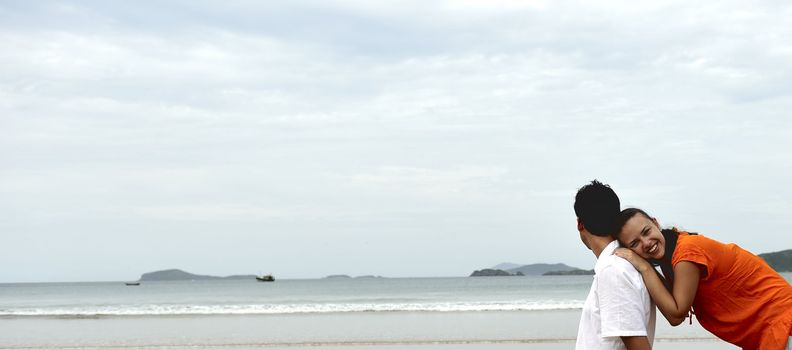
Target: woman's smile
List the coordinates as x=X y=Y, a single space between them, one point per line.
x=653 y=249
x=642 y=235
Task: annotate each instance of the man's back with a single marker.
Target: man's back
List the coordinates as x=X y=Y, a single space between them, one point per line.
x=618 y=305
x=618 y=313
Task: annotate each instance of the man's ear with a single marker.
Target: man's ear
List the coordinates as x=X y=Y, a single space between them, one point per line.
x=580 y=226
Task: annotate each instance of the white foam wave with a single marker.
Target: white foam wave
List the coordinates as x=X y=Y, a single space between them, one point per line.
x=253 y=309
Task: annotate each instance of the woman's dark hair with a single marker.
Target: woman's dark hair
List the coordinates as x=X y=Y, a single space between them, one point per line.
x=670 y=236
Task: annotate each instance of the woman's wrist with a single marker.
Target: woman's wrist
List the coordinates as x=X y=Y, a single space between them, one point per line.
x=645 y=267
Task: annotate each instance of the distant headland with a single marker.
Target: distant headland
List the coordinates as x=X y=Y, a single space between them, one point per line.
x=493 y=273
x=179 y=275
x=575 y=272
x=510 y=269
x=779 y=261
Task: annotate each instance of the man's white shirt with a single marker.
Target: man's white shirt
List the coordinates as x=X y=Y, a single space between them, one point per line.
x=618 y=305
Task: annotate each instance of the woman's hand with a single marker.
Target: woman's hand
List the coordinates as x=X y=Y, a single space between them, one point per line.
x=636 y=260
x=673 y=305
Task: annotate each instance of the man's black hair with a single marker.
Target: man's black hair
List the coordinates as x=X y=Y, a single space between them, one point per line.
x=598 y=208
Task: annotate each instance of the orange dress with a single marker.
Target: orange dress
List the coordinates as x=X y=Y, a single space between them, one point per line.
x=740 y=298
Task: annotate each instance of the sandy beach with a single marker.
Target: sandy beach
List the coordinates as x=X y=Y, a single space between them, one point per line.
x=552 y=329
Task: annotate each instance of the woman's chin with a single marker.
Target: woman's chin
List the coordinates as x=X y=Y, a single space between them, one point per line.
x=648 y=256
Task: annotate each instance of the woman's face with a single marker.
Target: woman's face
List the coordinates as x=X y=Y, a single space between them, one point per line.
x=642 y=235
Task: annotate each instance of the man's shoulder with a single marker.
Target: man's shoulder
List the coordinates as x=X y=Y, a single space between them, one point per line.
x=615 y=265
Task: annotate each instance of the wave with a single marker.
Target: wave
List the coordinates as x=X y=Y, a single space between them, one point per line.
x=356 y=343
x=274 y=309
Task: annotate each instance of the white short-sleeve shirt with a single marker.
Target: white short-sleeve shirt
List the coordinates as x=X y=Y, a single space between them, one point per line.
x=618 y=305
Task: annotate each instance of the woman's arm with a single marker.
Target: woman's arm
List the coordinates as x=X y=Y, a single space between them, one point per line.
x=674 y=306
x=636 y=343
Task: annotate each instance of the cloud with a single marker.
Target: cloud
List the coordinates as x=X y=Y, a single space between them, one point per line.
x=408 y=119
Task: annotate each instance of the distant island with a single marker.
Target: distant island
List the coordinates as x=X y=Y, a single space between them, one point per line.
x=179 y=275
x=507 y=266
x=576 y=272
x=510 y=269
x=541 y=269
x=493 y=273
x=779 y=261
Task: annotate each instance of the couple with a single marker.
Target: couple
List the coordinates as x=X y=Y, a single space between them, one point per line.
x=733 y=293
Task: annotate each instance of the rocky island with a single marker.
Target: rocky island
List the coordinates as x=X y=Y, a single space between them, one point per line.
x=179 y=275
x=493 y=273
x=576 y=272
x=509 y=269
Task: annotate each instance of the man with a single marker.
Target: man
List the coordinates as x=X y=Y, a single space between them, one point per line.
x=618 y=312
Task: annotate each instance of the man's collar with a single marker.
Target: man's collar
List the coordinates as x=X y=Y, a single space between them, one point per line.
x=606 y=252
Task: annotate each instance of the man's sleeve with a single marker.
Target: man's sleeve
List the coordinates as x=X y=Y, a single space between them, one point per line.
x=621 y=305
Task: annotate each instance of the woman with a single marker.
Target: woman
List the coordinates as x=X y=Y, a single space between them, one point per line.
x=733 y=293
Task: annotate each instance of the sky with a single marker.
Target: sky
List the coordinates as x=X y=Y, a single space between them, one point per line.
x=392 y=138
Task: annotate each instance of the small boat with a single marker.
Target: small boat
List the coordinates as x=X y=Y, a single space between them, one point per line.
x=265 y=278
x=132 y=283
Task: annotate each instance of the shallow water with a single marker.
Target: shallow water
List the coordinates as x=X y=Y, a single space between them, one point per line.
x=221 y=297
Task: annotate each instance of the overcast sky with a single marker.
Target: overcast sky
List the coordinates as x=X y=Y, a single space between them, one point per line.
x=406 y=138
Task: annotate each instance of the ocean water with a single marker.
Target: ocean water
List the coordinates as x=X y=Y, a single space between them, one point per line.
x=375 y=313
x=230 y=297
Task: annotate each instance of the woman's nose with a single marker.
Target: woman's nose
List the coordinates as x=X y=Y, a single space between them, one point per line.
x=644 y=242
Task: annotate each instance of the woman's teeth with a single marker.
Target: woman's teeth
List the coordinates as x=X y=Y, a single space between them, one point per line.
x=653 y=249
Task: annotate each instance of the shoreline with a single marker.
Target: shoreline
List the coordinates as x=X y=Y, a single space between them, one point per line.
x=402 y=330
x=416 y=344
x=274 y=314
x=704 y=344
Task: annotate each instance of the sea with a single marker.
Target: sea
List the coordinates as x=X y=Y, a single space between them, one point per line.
x=466 y=313
x=308 y=296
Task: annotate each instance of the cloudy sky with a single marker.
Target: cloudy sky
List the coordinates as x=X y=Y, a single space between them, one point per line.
x=404 y=138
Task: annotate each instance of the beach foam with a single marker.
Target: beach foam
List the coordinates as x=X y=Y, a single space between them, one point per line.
x=253 y=309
